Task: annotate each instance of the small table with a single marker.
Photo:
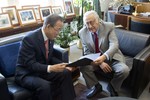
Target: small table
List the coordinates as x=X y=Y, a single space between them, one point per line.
x=117 y=98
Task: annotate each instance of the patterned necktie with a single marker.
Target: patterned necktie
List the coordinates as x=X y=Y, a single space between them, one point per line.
x=96 y=43
x=46 y=48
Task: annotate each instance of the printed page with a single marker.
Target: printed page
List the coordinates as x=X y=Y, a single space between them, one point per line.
x=93 y=56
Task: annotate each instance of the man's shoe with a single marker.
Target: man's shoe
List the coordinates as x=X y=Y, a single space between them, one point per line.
x=97 y=89
x=111 y=90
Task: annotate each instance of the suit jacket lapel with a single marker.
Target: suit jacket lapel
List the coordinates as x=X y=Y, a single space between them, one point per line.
x=41 y=42
x=100 y=34
x=90 y=40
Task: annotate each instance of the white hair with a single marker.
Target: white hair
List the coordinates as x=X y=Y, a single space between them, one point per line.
x=93 y=13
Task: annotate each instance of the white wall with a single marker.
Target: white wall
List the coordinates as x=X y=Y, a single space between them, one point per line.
x=19 y=3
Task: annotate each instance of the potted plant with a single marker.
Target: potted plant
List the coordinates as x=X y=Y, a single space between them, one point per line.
x=65 y=37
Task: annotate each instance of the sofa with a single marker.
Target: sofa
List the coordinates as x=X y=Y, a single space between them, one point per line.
x=9 y=90
x=136 y=48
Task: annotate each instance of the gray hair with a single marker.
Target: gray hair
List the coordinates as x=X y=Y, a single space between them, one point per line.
x=52 y=19
x=92 y=12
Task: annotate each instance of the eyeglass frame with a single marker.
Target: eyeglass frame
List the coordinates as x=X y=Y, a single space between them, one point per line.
x=57 y=30
x=90 y=23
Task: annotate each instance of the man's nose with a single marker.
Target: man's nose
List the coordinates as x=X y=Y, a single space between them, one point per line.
x=89 y=26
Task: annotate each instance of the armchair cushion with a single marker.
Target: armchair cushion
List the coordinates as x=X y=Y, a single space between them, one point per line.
x=131 y=43
x=8 y=58
x=4 y=94
x=61 y=53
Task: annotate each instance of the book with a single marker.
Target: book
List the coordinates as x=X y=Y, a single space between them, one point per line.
x=84 y=60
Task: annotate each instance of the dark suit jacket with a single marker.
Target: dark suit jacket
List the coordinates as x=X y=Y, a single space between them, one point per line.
x=31 y=58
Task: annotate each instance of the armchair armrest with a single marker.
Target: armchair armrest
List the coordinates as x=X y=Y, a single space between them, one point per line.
x=143 y=54
x=4 y=93
x=140 y=71
x=61 y=54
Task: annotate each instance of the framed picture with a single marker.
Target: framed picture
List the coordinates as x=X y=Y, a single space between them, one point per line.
x=68 y=6
x=36 y=10
x=11 y=10
x=5 y=21
x=45 y=11
x=26 y=16
x=57 y=10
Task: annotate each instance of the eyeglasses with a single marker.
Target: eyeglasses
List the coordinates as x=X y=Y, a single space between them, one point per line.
x=92 y=22
x=57 y=29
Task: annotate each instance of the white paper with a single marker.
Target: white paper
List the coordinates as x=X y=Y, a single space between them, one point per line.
x=93 y=56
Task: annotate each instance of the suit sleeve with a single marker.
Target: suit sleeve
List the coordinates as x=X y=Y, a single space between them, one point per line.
x=113 y=43
x=82 y=34
x=29 y=56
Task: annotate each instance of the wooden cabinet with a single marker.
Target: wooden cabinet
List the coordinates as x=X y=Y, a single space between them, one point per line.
x=121 y=19
x=19 y=29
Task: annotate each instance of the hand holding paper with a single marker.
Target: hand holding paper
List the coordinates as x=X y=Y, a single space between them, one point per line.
x=84 y=60
x=100 y=59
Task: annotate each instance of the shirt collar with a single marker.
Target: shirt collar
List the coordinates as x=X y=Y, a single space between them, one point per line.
x=96 y=32
x=44 y=35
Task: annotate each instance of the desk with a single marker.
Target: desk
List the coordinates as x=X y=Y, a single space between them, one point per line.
x=120 y=19
x=118 y=98
x=124 y=20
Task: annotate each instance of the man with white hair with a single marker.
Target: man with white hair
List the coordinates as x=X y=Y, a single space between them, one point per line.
x=98 y=36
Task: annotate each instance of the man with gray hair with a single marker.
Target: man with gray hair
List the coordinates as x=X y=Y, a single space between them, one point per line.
x=37 y=69
x=99 y=37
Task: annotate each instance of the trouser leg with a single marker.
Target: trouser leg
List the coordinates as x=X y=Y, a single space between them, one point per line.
x=89 y=75
x=41 y=87
x=67 y=87
x=121 y=73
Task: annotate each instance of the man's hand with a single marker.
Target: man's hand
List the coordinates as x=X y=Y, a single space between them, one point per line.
x=100 y=59
x=71 y=68
x=57 y=67
x=105 y=67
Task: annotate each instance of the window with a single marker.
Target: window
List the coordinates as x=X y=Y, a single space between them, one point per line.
x=38 y=2
x=3 y=3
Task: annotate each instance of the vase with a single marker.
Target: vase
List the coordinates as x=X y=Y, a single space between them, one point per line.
x=79 y=44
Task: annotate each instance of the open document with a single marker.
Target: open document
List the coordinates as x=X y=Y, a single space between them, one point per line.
x=84 y=60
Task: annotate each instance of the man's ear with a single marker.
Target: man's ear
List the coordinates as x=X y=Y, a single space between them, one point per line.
x=48 y=25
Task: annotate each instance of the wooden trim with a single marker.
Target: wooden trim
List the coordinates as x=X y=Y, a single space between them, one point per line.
x=25 y=28
x=12 y=11
x=5 y=21
x=26 y=19
x=19 y=29
x=36 y=10
x=141 y=19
